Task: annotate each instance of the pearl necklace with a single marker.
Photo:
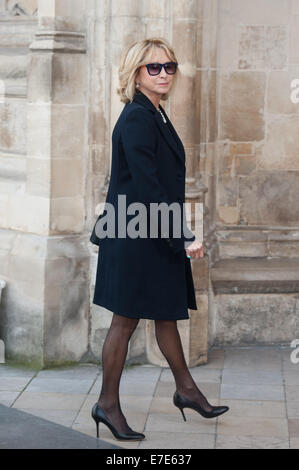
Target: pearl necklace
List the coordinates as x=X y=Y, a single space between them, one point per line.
x=163 y=117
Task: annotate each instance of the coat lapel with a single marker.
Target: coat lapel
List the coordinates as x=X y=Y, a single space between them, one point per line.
x=171 y=138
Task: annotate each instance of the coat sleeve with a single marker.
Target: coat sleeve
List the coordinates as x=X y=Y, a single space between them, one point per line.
x=139 y=139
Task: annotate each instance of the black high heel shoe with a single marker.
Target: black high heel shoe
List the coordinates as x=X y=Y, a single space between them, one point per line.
x=99 y=416
x=181 y=402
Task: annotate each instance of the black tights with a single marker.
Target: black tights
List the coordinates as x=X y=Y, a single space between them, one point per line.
x=114 y=355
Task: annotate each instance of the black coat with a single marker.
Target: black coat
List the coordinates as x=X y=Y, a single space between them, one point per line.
x=145 y=277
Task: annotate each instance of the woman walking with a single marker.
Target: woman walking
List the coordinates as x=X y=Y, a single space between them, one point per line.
x=146 y=277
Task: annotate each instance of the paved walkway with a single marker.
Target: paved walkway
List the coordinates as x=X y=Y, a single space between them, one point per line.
x=260 y=385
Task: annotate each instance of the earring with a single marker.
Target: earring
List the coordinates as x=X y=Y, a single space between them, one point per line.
x=137 y=85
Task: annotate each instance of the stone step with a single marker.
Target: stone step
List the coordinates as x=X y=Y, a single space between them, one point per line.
x=255 y=275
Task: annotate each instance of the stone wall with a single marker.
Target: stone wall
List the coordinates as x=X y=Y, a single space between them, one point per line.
x=257 y=167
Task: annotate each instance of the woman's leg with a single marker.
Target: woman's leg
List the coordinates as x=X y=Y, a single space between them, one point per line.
x=169 y=341
x=113 y=359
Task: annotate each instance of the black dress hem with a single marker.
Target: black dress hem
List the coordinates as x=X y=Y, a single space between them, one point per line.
x=146 y=316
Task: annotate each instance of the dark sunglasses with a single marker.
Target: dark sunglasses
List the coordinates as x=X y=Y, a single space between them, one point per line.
x=155 y=68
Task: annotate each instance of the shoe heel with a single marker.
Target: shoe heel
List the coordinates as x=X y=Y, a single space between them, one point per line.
x=183 y=414
x=96 y=420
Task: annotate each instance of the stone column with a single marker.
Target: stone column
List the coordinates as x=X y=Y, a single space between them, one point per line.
x=53 y=254
x=182 y=109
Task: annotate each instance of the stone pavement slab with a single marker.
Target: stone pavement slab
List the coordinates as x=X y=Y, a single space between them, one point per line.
x=12 y=384
x=9 y=371
x=251 y=442
x=293 y=409
x=49 y=401
x=7 y=398
x=294 y=443
x=174 y=422
x=250 y=358
x=252 y=392
x=63 y=417
x=294 y=427
x=253 y=426
x=63 y=385
x=252 y=377
x=199 y=374
x=258 y=408
x=173 y=440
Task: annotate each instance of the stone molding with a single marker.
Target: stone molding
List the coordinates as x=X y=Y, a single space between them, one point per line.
x=59 y=41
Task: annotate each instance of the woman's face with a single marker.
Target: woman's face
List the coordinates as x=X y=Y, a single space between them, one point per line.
x=157 y=84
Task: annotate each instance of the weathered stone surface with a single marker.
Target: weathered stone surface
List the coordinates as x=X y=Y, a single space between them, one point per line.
x=47 y=286
x=245 y=248
x=294 y=39
x=62 y=16
x=57 y=78
x=202 y=104
x=281 y=149
x=227 y=190
x=67 y=214
x=278 y=99
x=259 y=11
x=67 y=178
x=200 y=269
x=287 y=250
x=245 y=164
x=256 y=49
x=228 y=43
x=185 y=10
x=151 y=9
x=199 y=332
x=270 y=198
x=228 y=214
x=13 y=126
x=251 y=319
x=251 y=243
x=66 y=323
x=22 y=7
x=242 y=106
x=242 y=235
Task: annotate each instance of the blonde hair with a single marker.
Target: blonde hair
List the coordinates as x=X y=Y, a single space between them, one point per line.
x=133 y=58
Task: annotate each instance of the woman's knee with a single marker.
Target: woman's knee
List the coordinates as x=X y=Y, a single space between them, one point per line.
x=160 y=324
x=126 y=324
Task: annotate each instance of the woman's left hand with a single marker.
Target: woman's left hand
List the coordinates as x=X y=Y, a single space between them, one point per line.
x=195 y=250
